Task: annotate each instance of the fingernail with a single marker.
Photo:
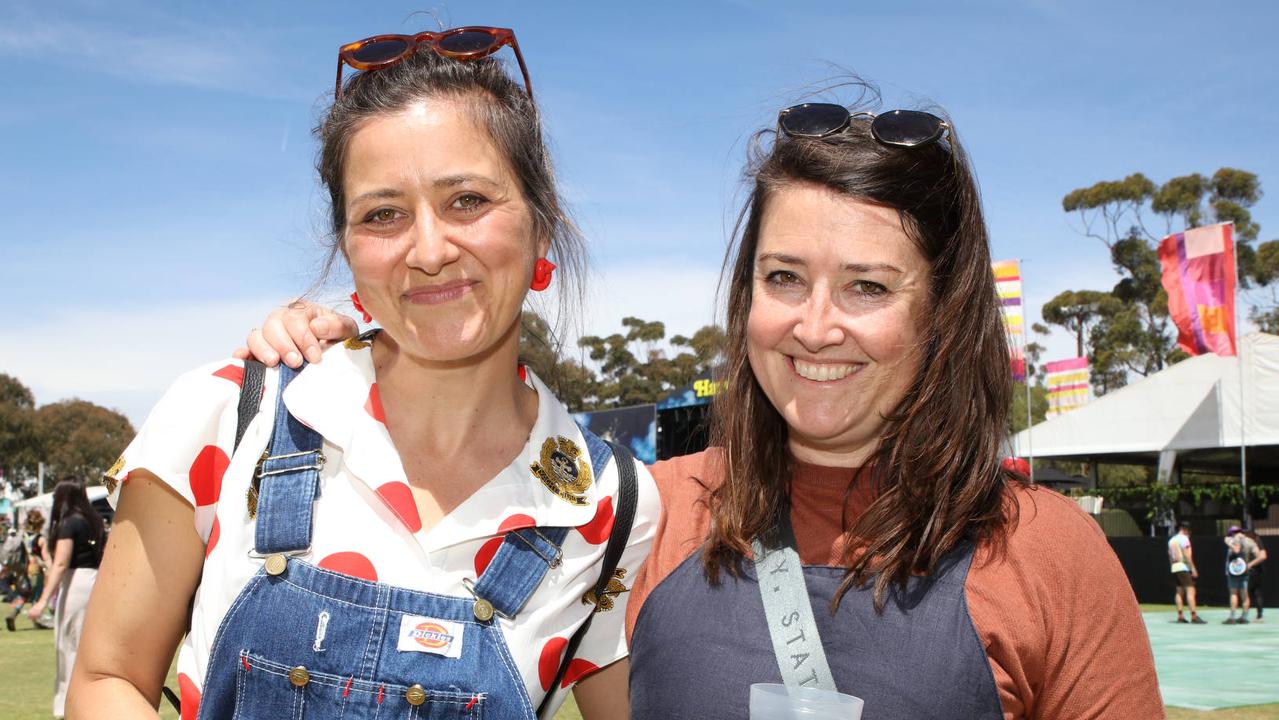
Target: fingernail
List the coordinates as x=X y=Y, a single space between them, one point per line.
x=313 y=354
x=293 y=359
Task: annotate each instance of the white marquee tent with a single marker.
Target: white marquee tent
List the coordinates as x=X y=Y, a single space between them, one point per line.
x=44 y=503
x=1195 y=407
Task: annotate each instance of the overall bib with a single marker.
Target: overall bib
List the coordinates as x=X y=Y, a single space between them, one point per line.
x=698 y=648
x=305 y=642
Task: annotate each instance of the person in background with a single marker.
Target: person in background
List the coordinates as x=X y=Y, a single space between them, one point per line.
x=76 y=533
x=33 y=541
x=1256 y=578
x=1242 y=554
x=1182 y=560
x=25 y=560
x=12 y=569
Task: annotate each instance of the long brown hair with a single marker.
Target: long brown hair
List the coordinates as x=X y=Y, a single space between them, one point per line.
x=936 y=471
x=70 y=498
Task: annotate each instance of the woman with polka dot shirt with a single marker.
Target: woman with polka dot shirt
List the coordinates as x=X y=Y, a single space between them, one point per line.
x=416 y=526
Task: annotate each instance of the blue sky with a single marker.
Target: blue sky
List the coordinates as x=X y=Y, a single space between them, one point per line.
x=158 y=192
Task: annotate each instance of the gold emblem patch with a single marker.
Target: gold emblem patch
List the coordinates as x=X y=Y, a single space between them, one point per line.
x=354 y=344
x=108 y=478
x=562 y=470
x=615 y=588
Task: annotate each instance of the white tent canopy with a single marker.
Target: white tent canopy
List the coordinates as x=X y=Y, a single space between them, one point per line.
x=44 y=503
x=1193 y=405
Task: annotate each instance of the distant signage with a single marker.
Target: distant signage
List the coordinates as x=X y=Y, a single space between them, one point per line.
x=698 y=392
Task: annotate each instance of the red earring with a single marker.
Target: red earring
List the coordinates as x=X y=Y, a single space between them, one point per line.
x=542 y=272
x=355 y=300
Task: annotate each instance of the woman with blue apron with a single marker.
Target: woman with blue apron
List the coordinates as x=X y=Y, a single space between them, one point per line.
x=416 y=527
x=852 y=528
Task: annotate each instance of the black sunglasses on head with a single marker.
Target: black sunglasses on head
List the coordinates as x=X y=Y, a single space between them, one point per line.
x=899 y=128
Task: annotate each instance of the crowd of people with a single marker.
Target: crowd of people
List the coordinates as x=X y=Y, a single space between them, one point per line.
x=51 y=574
x=1244 y=567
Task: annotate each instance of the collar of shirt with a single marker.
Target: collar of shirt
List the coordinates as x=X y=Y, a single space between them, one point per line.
x=541 y=487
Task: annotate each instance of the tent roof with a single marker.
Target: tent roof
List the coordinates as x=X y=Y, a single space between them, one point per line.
x=45 y=501
x=1194 y=405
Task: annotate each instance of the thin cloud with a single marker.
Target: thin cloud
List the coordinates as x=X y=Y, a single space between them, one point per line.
x=194 y=57
x=125 y=357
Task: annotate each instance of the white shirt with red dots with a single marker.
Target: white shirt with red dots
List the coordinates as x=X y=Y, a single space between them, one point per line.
x=365 y=520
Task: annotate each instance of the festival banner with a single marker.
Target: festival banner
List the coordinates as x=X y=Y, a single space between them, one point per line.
x=699 y=392
x=1199 y=275
x=1008 y=288
x=1069 y=385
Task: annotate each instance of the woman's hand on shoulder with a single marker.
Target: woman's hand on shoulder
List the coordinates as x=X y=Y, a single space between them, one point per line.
x=297 y=330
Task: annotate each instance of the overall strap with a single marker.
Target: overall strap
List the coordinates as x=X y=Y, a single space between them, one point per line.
x=523 y=558
x=627 y=499
x=518 y=566
x=288 y=480
x=788 y=610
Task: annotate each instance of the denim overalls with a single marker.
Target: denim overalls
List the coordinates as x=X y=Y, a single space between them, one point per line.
x=304 y=642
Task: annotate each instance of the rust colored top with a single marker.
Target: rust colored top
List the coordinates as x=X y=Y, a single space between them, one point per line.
x=1055 y=612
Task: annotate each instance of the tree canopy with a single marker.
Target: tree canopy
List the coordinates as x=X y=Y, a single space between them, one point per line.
x=630 y=368
x=1127 y=329
x=72 y=437
x=635 y=369
x=17 y=427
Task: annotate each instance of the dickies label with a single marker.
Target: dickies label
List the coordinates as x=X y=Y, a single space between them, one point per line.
x=430 y=635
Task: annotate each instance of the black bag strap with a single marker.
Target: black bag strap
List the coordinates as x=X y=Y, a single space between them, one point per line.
x=627 y=498
x=250 y=398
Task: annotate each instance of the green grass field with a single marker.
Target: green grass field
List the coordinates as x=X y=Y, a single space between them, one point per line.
x=27 y=662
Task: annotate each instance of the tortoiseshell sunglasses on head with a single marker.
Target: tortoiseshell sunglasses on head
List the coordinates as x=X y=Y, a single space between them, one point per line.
x=464 y=43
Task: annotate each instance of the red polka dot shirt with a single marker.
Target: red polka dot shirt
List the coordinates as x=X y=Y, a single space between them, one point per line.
x=365 y=521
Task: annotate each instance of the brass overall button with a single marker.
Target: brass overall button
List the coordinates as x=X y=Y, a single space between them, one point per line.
x=299 y=676
x=276 y=564
x=483 y=610
x=415 y=695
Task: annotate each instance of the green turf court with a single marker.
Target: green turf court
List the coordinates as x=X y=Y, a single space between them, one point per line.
x=1207 y=667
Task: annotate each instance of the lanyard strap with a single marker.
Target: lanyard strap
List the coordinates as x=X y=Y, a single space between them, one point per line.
x=796 y=643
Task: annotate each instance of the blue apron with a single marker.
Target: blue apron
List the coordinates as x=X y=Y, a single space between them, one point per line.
x=696 y=648
x=304 y=642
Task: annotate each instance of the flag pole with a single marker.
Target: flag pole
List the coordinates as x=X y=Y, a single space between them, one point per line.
x=1243 y=396
x=1030 y=442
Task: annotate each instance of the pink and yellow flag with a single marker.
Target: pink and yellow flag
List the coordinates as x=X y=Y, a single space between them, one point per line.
x=1008 y=287
x=1199 y=275
x=1068 y=383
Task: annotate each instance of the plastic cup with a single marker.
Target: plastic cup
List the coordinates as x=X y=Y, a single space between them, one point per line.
x=770 y=701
